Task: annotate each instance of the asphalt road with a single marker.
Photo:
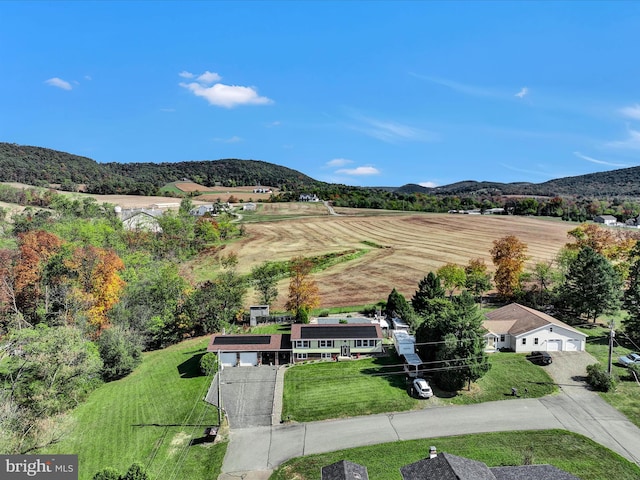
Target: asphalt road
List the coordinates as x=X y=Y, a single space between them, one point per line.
x=253 y=453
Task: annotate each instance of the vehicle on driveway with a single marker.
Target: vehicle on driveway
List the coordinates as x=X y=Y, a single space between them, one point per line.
x=421 y=388
x=629 y=359
x=540 y=358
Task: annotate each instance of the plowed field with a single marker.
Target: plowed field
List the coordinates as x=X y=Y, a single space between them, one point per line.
x=412 y=245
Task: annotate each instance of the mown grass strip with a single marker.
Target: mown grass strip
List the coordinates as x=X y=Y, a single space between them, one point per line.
x=571 y=452
x=150 y=417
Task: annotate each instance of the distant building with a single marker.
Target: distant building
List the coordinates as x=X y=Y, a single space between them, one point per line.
x=262 y=190
x=251 y=207
x=305 y=197
x=141 y=219
x=608 y=220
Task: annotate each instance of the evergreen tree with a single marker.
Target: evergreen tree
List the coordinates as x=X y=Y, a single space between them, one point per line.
x=458 y=343
x=632 y=297
x=398 y=307
x=428 y=289
x=592 y=286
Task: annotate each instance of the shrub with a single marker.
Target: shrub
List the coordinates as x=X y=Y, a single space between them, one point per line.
x=324 y=313
x=599 y=379
x=121 y=352
x=209 y=364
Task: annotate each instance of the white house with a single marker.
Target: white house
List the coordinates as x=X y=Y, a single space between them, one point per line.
x=250 y=207
x=524 y=329
x=609 y=220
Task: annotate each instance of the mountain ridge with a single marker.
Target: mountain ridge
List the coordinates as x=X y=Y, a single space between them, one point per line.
x=43 y=166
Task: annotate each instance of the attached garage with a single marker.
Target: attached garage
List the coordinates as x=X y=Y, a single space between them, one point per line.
x=228 y=359
x=248 y=359
x=573 y=345
x=554 y=345
x=251 y=350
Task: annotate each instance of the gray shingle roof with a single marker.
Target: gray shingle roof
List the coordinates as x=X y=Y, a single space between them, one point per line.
x=446 y=467
x=532 y=472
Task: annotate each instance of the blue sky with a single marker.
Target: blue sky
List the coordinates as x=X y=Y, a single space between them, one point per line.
x=361 y=93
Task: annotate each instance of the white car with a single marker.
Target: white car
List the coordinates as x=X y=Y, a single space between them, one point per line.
x=422 y=388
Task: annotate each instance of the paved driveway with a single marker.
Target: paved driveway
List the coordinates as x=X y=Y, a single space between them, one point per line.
x=253 y=453
x=247 y=395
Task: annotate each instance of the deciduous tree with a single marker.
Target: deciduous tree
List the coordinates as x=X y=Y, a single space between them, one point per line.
x=265 y=279
x=478 y=278
x=304 y=294
x=453 y=276
x=509 y=256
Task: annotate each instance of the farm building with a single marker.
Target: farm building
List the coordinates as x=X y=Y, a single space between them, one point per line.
x=524 y=329
x=609 y=220
x=140 y=219
x=251 y=350
x=250 y=207
x=257 y=311
x=329 y=341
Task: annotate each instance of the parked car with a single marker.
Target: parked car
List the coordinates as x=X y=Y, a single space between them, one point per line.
x=629 y=359
x=422 y=388
x=540 y=358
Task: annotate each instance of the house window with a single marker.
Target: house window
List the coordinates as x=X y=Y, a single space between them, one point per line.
x=301 y=356
x=524 y=341
x=502 y=338
x=326 y=344
x=302 y=343
x=535 y=341
x=358 y=343
x=325 y=355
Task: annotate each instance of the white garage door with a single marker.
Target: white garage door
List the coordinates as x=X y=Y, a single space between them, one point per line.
x=572 y=345
x=248 y=359
x=229 y=359
x=553 y=345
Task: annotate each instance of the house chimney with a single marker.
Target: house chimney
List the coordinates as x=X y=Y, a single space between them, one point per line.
x=432 y=452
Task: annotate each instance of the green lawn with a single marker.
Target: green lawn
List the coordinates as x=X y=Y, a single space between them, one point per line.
x=625 y=397
x=318 y=391
x=570 y=452
x=149 y=417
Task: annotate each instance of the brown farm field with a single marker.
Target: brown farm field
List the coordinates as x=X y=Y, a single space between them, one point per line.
x=408 y=247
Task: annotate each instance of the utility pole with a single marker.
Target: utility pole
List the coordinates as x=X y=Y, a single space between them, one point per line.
x=612 y=334
x=219 y=374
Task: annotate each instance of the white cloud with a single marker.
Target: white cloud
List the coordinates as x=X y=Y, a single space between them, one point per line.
x=632 y=112
x=168 y=110
x=88 y=77
x=275 y=123
x=58 y=82
x=599 y=162
x=359 y=171
x=207 y=78
x=631 y=142
x=522 y=93
x=428 y=184
x=339 y=162
x=222 y=95
x=234 y=139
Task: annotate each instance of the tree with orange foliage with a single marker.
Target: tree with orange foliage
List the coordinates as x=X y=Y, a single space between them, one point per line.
x=509 y=255
x=304 y=294
x=35 y=249
x=99 y=284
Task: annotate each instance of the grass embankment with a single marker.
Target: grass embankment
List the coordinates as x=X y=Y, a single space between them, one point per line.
x=150 y=417
x=319 y=391
x=625 y=396
x=568 y=451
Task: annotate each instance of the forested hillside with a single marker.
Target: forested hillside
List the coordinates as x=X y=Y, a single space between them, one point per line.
x=42 y=167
